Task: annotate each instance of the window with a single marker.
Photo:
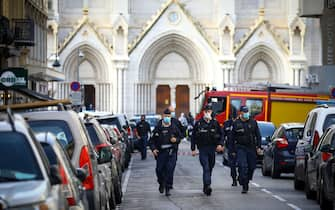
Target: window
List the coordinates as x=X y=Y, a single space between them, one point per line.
x=235 y=104
x=18 y=161
x=330 y=120
x=255 y=106
x=59 y=128
x=218 y=104
x=293 y=134
x=92 y=132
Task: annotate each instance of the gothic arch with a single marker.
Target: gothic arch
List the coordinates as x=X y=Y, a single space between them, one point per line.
x=93 y=56
x=265 y=54
x=171 y=43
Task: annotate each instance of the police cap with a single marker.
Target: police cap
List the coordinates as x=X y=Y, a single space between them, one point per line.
x=244 y=109
x=208 y=107
x=167 y=111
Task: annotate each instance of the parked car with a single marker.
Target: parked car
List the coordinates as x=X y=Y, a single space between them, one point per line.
x=152 y=119
x=117 y=148
x=120 y=121
x=27 y=180
x=326 y=181
x=72 y=134
x=318 y=120
x=108 y=168
x=71 y=178
x=266 y=130
x=316 y=165
x=279 y=153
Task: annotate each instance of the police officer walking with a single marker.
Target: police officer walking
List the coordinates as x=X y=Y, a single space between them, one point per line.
x=142 y=131
x=226 y=133
x=247 y=141
x=207 y=137
x=164 y=143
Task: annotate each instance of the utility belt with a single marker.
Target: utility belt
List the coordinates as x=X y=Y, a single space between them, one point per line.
x=168 y=148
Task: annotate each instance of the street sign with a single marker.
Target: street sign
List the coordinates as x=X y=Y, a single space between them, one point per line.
x=12 y=78
x=75 y=86
x=75 y=98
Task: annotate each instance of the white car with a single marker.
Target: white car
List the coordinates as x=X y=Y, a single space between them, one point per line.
x=27 y=181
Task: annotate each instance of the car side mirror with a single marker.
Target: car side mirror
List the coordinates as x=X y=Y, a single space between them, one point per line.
x=308 y=148
x=81 y=174
x=125 y=127
x=268 y=139
x=327 y=148
x=105 y=155
x=55 y=177
x=113 y=141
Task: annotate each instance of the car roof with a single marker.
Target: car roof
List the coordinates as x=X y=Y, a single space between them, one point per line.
x=292 y=125
x=265 y=122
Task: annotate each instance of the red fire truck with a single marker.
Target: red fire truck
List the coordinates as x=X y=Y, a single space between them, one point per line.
x=268 y=105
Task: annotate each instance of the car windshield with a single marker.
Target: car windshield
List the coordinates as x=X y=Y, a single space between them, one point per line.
x=330 y=120
x=293 y=134
x=111 y=121
x=17 y=162
x=59 y=128
x=266 y=129
x=152 y=121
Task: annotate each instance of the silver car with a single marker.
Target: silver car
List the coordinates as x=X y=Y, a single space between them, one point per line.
x=27 y=181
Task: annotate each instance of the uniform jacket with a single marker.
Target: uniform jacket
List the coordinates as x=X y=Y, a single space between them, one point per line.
x=161 y=136
x=245 y=133
x=143 y=128
x=206 y=133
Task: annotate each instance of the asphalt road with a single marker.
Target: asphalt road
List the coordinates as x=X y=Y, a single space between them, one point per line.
x=141 y=188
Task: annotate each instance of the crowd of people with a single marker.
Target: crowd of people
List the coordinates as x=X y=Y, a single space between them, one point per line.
x=239 y=135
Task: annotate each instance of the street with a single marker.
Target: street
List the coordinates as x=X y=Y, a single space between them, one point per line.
x=141 y=189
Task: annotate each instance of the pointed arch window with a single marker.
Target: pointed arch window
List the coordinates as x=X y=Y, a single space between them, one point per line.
x=260 y=72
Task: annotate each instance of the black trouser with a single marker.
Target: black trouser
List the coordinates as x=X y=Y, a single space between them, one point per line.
x=207 y=161
x=166 y=162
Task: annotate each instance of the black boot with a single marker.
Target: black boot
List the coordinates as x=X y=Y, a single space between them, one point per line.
x=161 y=188
x=245 y=188
x=207 y=190
x=167 y=191
x=234 y=184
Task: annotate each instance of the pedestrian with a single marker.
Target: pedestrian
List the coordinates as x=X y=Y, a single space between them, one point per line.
x=246 y=139
x=207 y=137
x=226 y=133
x=164 y=144
x=142 y=132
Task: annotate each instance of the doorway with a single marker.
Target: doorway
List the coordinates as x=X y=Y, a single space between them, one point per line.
x=182 y=100
x=162 y=98
x=89 y=97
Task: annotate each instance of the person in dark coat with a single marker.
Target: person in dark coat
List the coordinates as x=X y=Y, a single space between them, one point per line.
x=246 y=139
x=143 y=130
x=164 y=145
x=207 y=137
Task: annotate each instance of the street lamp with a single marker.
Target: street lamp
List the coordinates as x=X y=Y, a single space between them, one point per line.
x=80 y=56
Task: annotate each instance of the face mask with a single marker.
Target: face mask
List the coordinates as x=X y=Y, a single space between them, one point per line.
x=208 y=116
x=173 y=114
x=166 y=120
x=246 y=115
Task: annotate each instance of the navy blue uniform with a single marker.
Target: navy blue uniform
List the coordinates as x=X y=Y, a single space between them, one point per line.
x=167 y=155
x=226 y=133
x=143 y=129
x=206 y=136
x=245 y=139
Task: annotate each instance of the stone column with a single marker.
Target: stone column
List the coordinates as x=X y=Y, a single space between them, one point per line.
x=173 y=95
x=121 y=66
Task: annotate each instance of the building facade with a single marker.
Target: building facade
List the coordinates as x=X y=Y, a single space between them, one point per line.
x=134 y=57
x=26 y=46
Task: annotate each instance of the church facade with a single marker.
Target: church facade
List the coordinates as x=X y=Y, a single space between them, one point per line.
x=139 y=56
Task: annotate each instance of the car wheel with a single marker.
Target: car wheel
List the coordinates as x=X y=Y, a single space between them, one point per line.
x=325 y=204
x=265 y=172
x=275 y=173
x=309 y=193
